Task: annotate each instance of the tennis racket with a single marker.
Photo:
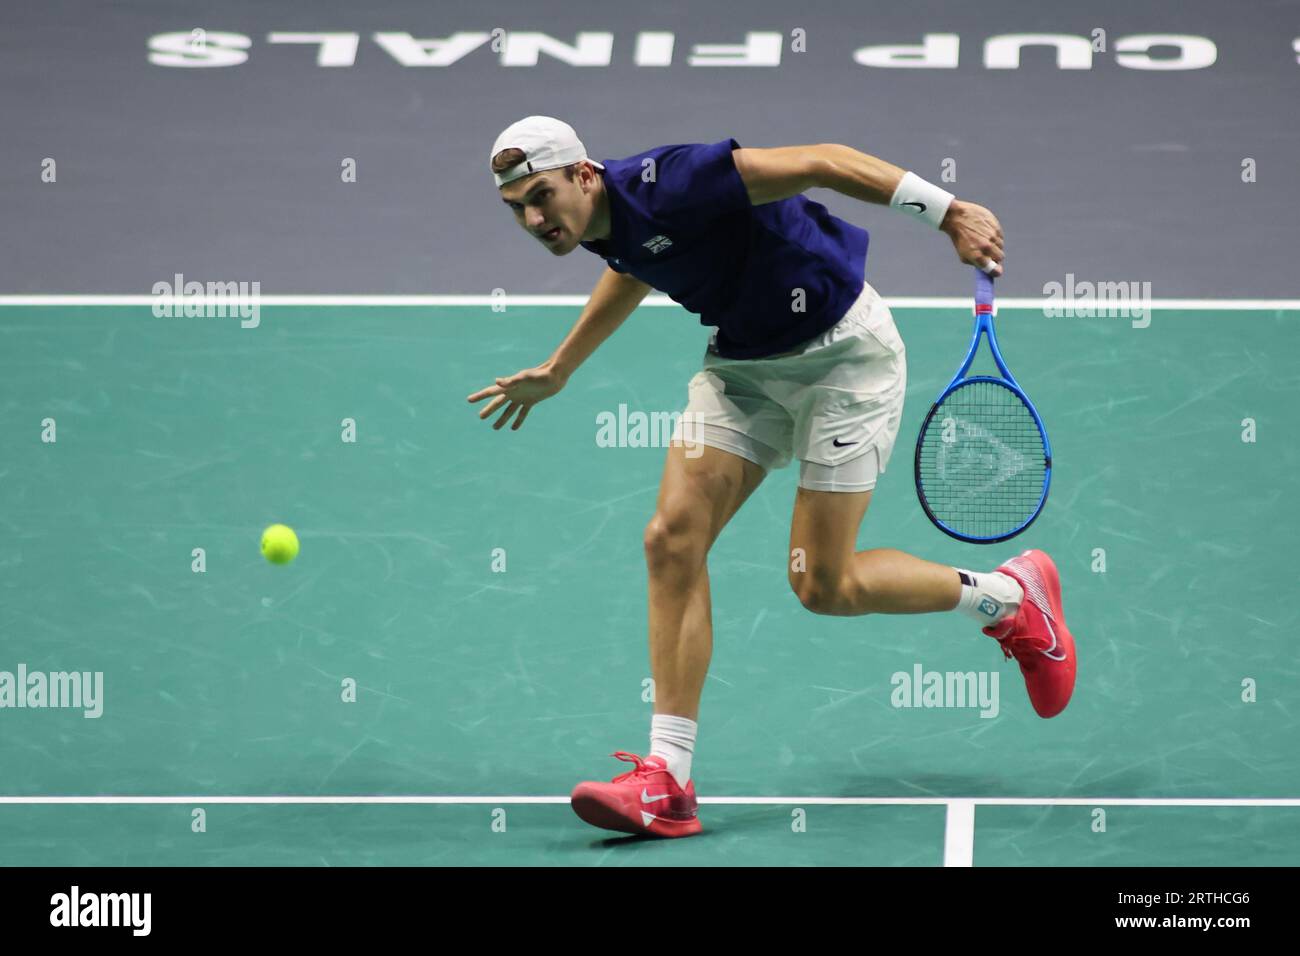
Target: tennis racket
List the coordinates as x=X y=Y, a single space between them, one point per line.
x=983 y=463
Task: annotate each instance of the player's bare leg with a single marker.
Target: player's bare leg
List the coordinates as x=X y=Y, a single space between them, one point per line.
x=1019 y=604
x=831 y=578
x=702 y=487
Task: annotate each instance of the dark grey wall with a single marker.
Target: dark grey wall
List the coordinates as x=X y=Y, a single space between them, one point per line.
x=233 y=173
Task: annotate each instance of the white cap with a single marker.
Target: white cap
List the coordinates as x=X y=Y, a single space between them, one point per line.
x=547 y=143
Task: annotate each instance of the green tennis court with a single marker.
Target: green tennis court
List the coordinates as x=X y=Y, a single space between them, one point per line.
x=485 y=591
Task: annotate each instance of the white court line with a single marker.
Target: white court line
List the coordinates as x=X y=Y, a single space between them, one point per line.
x=959 y=820
x=959 y=834
x=719 y=801
x=658 y=301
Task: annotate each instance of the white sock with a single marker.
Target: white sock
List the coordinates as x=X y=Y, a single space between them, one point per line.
x=673 y=739
x=988 y=598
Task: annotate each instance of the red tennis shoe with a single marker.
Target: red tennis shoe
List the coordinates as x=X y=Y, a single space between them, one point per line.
x=646 y=799
x=1036 y=634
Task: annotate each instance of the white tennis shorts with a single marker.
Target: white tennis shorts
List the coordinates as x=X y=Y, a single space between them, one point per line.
x=834 y=403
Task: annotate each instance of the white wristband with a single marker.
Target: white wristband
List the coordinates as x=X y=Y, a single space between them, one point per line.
x=923 y=200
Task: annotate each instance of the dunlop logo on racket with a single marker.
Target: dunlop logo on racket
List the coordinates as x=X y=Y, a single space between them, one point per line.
x=983 y=462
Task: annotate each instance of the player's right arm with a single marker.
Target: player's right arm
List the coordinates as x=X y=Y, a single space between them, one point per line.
x=614 y=298
x=770 y=175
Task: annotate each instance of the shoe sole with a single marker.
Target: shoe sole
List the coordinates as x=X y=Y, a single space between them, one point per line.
x=590 y=809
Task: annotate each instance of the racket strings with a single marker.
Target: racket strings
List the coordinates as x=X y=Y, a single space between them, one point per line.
x=982 y=465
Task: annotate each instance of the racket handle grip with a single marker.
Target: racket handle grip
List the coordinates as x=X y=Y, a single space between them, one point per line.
x=983 y=291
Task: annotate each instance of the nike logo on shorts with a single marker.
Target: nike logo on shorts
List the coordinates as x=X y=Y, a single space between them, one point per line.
x=842 y=444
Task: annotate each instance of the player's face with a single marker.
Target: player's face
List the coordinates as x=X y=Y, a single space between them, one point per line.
x=555 y=211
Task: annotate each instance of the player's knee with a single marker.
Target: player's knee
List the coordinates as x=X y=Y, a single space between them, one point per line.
x=672 y=538
x=819 y=589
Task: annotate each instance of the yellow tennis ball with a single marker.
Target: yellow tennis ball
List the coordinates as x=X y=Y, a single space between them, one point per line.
x=279 y=544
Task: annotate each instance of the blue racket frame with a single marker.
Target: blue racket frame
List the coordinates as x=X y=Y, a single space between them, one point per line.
x=983 y=326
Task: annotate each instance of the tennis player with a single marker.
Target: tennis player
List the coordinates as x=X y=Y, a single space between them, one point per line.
x=804 y=362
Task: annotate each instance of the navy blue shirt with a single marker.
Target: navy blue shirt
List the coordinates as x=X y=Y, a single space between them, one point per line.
x=693 y=234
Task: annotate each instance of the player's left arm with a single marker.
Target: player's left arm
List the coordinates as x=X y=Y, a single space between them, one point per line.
x=774 y=174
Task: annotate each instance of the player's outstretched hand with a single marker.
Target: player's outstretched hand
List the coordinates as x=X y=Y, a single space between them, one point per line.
x=519 y=393
x=976 y=234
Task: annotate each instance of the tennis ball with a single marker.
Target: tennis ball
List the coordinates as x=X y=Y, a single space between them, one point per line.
x=279 y=544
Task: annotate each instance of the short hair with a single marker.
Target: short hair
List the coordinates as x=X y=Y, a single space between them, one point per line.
x=513 y=157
